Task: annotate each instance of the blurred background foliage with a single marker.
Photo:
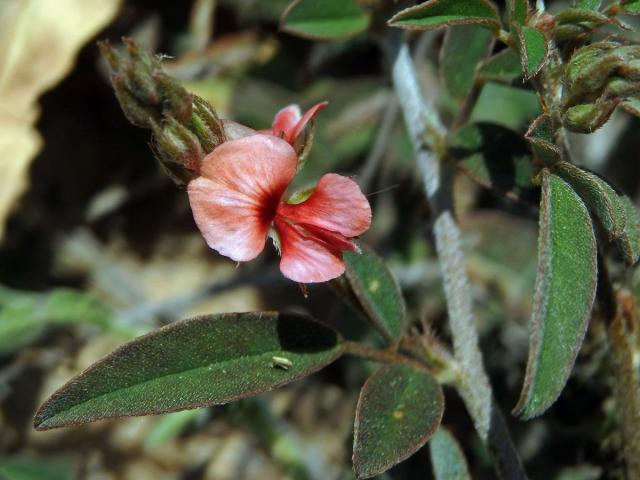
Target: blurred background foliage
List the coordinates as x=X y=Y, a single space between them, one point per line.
x=98 y=245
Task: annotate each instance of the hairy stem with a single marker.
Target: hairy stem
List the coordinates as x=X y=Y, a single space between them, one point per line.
x=427 y=135
x=623 y=337
x=383 y=356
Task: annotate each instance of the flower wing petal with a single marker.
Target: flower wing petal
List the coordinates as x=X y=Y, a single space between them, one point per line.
x=337 y=204
x=304 y=258
x=285 y=121
x=235 y=199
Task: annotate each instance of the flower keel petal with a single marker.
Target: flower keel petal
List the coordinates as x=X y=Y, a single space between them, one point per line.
x=304 y=258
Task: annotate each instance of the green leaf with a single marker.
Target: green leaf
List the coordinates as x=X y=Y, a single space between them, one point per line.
x=439 y=13
x=518 y=10
x=447 y=458
x=631 y=7
x=324 y=19
x=24 y=316
x=503 y=67
x=462 y=49
x=193 y=363
x=532 y=46
x=588 y=4
x=606 y=205
x=170 y=426
x=587 y=18
x=32 y=468
x=564 y=293
x=540 y=136
x=399 y=408
x=628 y=244
x=507 y=106
x=495 y=157
x=377 y=291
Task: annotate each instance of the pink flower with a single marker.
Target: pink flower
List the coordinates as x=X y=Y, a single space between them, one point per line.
x=238 y=201
x=288 y=124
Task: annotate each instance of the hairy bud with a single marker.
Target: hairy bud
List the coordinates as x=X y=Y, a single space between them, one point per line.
x=185 y=127
x=586 y=118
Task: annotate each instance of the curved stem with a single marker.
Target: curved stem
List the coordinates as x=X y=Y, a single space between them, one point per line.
x=427 y=135
x=383 y=356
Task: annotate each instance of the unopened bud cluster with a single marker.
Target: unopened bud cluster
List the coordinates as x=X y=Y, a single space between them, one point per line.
x=597 y=78
x=185 y=127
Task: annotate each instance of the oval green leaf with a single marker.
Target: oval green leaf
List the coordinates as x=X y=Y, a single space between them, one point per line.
x=463 y=48
x=564 y=293
x=447 y=459
x=377 y=291
x=193 y=363
x=399 y=408
x=507 y=106
x=628 y=244
x=533 y=49
x=440 y=13
x=607 y=206
x=503 y=67
x=324 y=19
x=631 y=7
x=35 y=468
x=495 y=157
x=540 y=137
x=588 y=4
x=518 y=10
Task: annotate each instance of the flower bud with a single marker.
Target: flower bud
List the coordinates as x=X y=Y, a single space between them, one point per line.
x=178 y=149
x=622 y=87
x=206 y=124
x=185 y=127
x=138 y=113
x=586 y=118
x=590 y=67
x=144 y=91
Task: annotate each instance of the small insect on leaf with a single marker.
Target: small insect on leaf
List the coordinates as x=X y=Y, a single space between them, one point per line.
x=281 y=362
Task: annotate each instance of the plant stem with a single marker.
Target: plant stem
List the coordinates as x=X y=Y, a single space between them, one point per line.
x=623 y=336
x=383 y=356
x=427 y=135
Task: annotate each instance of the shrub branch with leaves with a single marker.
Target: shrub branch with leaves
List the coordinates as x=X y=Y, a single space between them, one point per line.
x=581 y=64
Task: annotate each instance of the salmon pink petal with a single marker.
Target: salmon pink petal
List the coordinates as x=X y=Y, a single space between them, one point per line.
x=307 y=117
x=305 y=259
x=285 y=121
x=337 y=204
x=234 y=130
x=235 y=199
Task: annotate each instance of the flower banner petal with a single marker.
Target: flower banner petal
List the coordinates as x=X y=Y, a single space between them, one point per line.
x=235 y=199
